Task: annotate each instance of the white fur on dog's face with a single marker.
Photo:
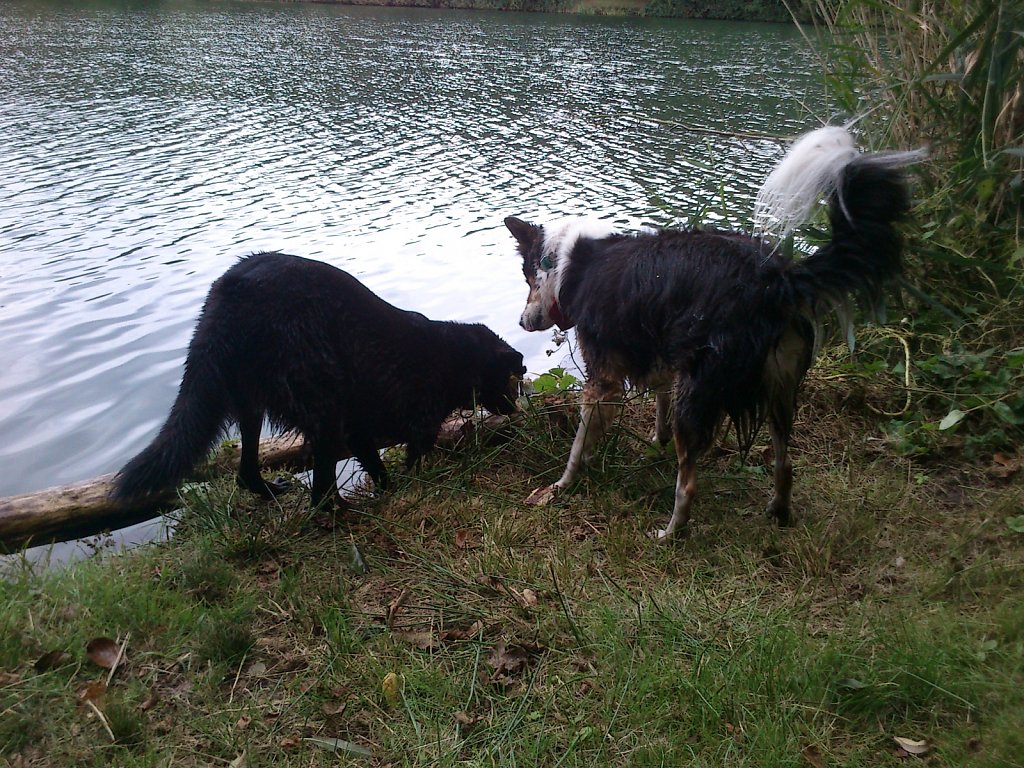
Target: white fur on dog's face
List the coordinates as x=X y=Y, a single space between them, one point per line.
x=545 y=276
x=537 y=313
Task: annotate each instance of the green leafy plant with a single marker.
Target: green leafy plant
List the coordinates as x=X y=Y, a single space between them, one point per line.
x=556 y=380
x=976 y=395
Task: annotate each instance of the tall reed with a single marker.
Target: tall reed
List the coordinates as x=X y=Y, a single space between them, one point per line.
x=949 y=73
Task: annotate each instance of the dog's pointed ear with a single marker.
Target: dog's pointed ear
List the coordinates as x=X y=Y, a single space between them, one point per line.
x=524 y=232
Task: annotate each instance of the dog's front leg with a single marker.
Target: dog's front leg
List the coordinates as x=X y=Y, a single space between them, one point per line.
x=601 y=402
x=686 y=488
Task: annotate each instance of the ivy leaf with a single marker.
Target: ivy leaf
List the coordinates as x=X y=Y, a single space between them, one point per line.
x=1006 y=413
x=1015 y=357
x=951 y=419
x=1016 y=523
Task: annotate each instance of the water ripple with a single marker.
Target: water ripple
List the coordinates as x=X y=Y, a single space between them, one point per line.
x=147 y=146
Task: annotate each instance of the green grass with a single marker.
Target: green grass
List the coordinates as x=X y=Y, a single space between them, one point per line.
x=558 y=636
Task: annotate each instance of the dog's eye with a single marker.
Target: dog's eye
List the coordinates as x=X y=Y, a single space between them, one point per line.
x=545 y=263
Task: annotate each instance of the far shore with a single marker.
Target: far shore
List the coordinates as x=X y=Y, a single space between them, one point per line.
x=762 y=10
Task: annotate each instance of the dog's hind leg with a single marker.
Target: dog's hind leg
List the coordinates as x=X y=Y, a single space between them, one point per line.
x=784 y=370
x=419 y=447
x=601 y=403
x=250 y=424
x=780 y=427
x=366 y=453
x=662 y=407
x=325 y=475
x=686 y=488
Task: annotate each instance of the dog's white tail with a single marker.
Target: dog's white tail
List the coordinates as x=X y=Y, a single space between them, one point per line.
x=811 y=171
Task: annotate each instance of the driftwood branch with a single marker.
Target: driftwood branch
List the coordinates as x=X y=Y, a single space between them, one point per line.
x=73 y=511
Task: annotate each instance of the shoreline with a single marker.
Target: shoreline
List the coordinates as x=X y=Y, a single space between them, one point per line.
x=770 y=11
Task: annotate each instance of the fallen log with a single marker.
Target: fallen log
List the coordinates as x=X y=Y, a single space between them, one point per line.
x=72 y=511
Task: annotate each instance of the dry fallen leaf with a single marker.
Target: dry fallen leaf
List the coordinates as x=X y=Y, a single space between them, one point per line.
x=289 y=742
x=1004 y=466
x=912 y=746
x=472 y=631
x=149 y=702
x=462 y=539
x=51 y=660
x=424 y=640
x=93 y=692
x=269 y=568
x=812 y=756
x=509 y=660
x=467 y=721
x=103 y=652
x=491 y=583
x=333 y=708
x=391 y=686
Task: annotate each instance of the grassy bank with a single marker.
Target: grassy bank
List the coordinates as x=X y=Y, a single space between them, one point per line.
x=446 y=623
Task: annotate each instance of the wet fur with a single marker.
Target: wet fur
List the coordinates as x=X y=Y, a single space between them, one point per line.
x=718 y=323
x=308 y=347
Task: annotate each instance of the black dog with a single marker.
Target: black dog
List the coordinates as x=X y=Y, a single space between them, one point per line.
x=310 y=348
x=721 y=321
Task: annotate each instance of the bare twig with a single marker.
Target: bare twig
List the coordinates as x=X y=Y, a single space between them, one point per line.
x=119 y=658
x=102 y=719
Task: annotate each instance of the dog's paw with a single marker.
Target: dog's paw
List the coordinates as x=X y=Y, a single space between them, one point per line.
x=542 y=496
x=665 y=536
x=780 y=512
x=660 y=439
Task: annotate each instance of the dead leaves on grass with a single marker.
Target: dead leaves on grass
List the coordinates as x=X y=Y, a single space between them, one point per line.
x=103 y=652
x=510 y=661
x=1005 y=466
x=525 y=598
x=53 y=660
x=93 y=692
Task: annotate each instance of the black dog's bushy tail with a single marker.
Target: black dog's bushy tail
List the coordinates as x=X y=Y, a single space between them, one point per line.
x=192 y=427
x=867 y=198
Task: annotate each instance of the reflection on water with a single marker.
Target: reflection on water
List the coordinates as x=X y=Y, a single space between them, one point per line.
x=147 y=146
x=40 y=558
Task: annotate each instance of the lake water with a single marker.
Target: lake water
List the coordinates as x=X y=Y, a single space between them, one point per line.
x=144 y=146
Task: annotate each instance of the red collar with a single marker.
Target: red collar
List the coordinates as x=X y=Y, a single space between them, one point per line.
x=555 y=312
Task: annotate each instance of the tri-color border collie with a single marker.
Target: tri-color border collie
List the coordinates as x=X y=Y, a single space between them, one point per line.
x=310 y=348
x=717 y=323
